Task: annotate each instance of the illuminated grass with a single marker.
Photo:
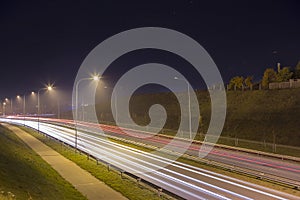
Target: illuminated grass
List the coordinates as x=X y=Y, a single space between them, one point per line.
x=25 y=175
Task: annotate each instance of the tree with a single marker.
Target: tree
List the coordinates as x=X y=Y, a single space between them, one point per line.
x=236 y=82
x=269 y=76
x=284 y=75
x=297 y=71
x=248 y=81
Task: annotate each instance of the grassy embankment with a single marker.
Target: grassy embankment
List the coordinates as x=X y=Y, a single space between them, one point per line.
x=263 y=116
x=25 y=175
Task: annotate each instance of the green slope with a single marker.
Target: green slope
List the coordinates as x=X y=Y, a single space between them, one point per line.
x=26 y=175
x=255 y=115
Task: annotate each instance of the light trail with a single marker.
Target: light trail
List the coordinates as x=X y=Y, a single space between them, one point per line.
x=181 y=179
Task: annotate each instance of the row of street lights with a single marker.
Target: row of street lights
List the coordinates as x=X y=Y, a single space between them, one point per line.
x=93 y=78
x=48 y=88
x=7 y=101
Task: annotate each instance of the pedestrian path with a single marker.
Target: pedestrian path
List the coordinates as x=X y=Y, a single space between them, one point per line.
x=83 y=181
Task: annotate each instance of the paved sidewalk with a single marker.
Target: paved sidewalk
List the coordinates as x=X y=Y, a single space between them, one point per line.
x=83 y=181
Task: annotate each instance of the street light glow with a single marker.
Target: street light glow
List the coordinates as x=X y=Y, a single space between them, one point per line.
x=49 y=88
x=96 y=78
x=18 y=96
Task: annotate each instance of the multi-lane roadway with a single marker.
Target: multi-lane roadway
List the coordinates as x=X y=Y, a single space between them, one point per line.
x=183 y=180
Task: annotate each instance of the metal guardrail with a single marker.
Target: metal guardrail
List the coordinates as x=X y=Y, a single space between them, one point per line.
x=262 y=153
x=257 y=152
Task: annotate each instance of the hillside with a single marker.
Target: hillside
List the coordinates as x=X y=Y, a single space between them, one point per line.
x=260 y=114
x=255 y=115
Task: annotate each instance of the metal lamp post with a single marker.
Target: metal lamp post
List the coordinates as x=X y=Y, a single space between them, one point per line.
x=24 y=107
x=189 y=104
x=18 y=104
x=94 y=78
x=4 y=105
x=10 y=102
x=49 y=88
x=115 y=103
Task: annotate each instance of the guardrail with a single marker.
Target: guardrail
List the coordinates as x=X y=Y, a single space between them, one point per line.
x=262 y=153
x=252 y=151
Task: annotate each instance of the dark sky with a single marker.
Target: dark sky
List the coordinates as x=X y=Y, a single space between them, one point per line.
x=46 y=41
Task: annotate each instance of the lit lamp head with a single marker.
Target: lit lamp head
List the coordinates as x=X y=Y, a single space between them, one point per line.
x=49 y=88
x=96 y=78
x=18 y=97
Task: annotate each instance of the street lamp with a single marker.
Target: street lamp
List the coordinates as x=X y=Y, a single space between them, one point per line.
x=4 y=104
x=24 y=102
x=24 y=105
x=189 y=99
x=18 y=109
x=115 y=103
x=93 y=78
x=48 y=88
x=11 y=104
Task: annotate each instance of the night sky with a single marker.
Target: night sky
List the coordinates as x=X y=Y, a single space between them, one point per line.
x=46 y=41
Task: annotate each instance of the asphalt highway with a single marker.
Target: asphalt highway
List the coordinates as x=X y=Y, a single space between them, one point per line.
x=183 y=180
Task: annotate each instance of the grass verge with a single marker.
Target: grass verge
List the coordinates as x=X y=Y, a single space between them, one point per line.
x=25 y=175
x=124 y=184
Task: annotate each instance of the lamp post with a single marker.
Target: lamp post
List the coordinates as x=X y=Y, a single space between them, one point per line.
x=18 y=104
x=93 y=78
x=24 y=106
x=24 y=102
x=10 y=102
x=115 y=103
x=189 y=104
x=4 y=104
x=48 y=88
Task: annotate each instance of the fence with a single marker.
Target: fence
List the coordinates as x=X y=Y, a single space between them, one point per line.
x=292 y=83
